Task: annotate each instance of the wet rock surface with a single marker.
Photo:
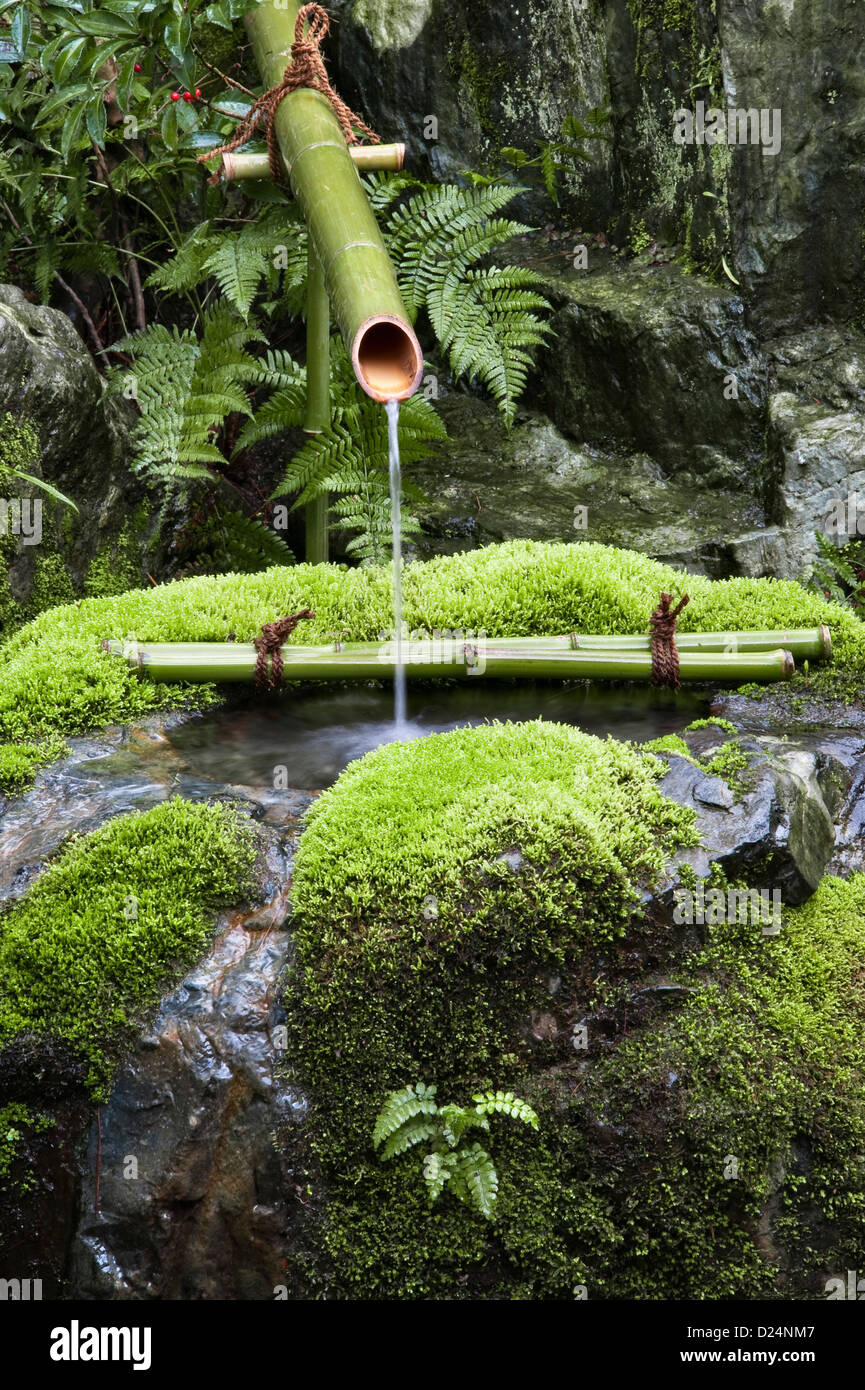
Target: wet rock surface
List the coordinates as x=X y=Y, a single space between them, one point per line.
x=648 y=358
x=183 y=1193
x=485 y=486
x=776 y=834
x=668 y=428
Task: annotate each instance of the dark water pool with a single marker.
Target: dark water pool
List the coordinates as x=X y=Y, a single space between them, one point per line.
x=316 y=734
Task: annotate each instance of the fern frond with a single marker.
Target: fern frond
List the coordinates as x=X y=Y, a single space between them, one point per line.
x=485 y=319
x=185 y=269
x=505 y=1103
x=474 y=1179
x=185 y=387
x=414 y=1131
x=239 y=261
x=438 y=1170
x=456 y=1119
x=401 y=1106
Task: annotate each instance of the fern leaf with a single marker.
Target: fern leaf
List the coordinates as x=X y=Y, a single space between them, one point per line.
x=438 y=1170
x=505 y=1103
x=474 y=1179
x=414 y=1131
x=401 y=1106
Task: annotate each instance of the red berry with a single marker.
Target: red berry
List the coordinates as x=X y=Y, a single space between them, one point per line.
x=187 y=96
x=175 y=96
x=198 y=92
x=136 y=67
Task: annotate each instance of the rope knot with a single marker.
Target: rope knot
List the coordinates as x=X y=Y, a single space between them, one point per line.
x=665 y=655
x=306 y=69
x=269 y=645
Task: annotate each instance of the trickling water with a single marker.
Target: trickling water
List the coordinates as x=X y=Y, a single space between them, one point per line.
x=399 y=681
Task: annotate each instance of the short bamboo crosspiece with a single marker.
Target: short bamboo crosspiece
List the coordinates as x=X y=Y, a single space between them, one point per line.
x=306 y=69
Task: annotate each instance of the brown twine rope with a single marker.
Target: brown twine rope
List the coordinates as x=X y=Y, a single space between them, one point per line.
x=306 y=69
x=269 y=644
x=665 y=655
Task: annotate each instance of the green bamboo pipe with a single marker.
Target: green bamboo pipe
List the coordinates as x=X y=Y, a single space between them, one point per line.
x=812 y=642
x=236 y=661
x=239 y=165
x=360 y=280
x=317 y=410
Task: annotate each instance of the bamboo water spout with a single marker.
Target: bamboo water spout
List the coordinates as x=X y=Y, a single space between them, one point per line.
x=358 y=274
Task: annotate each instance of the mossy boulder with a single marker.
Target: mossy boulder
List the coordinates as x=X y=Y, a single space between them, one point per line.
x=466 y=915
x=655 y=360
x=439 y=887
x=57 y=422
x=106 y=929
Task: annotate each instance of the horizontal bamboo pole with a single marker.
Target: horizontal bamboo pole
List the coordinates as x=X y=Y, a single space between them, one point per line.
x=368 y=158
x=812 y=642
x=236 y=661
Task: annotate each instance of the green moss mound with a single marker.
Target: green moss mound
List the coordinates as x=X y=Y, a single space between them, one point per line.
x=115 y=921
x=739 y=1159
x=464 y=904
x=54 y=677
x=437 y=884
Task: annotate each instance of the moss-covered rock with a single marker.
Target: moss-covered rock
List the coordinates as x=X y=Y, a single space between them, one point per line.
x=110 y=926
x=438 y=887
x=463 y=918
x=59 y=424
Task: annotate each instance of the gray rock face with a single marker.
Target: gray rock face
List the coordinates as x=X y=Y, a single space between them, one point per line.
x=657 y=361
x=485 y=486
x=495 y=76
x=691 y=441
x=779 y=835
x=191 y=1201
x=797 y=216
x=48 y=377
x=488 y=75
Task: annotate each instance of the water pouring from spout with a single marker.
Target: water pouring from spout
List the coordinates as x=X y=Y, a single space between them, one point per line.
x=399 y=680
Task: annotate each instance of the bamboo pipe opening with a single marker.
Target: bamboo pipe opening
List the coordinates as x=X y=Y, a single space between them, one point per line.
x=387 y=359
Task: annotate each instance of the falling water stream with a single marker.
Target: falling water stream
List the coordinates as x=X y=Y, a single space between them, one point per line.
x=399 y=681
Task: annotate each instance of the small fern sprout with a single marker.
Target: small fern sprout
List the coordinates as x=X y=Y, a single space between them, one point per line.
x=411 y=1116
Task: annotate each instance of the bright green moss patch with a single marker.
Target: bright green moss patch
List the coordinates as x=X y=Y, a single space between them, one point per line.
x=731 y=763
x=725 y=724
x=55 y=678
x=437 y=885
x=434 y=815
x=19 y=762
x=668 y=743
x=115 y=921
